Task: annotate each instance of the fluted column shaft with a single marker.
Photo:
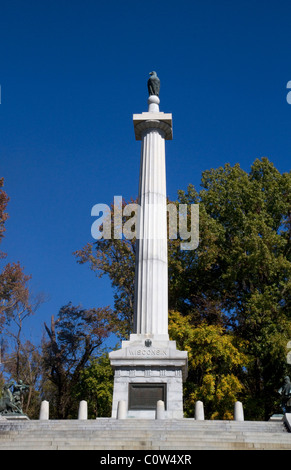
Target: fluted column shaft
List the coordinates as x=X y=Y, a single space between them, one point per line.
x=151 y=277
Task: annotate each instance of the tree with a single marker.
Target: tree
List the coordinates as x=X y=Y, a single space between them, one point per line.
x=249 y=268
x=16 y=314
x=13 y=281
x=96 y=386
x=16 y=305
x=116 y=259
x=3 y=204
x=73 y=339
x=26 y=365
x=215 y=365
x=14 y=289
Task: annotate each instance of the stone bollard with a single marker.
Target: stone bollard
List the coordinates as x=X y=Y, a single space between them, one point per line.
x=238 y=411
x=160 y=410
x=83 y=410
x=199 y=411
x=44 y=410
x=121 y=410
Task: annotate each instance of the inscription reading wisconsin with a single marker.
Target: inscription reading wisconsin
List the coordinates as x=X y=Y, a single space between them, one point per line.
x=147 y=352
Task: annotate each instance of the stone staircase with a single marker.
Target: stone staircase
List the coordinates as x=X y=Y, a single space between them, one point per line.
x=143 y=434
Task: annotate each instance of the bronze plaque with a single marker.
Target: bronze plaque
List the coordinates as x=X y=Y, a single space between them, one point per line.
x=145 y=396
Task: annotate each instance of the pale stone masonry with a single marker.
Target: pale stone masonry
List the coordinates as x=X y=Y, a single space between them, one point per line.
x=148 y=368
x=151 y=435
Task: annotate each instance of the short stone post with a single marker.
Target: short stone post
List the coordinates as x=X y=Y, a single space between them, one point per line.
x=238 y=411
x=83 y=410
x=44 y=410
x=160 y=410
x=121 y=410
x=199 y=411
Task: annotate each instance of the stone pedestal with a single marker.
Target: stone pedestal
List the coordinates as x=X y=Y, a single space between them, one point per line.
x=15 y=417
x=148 y=368
x=146 y=371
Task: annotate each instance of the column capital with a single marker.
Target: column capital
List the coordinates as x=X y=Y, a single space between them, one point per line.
x=148 y=120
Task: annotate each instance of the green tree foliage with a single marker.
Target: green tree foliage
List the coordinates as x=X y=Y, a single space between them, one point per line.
x=96 y=387
x=249 y=270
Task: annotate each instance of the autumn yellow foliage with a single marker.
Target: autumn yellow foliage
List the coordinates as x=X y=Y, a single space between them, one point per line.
x=215 y=364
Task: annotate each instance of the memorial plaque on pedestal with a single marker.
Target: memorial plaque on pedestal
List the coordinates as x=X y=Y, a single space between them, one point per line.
x=144 y=396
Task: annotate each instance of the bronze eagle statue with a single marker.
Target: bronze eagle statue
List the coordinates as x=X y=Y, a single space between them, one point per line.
x=154 y=84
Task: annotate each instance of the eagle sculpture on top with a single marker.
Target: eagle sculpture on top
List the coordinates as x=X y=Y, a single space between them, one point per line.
x=154 y=84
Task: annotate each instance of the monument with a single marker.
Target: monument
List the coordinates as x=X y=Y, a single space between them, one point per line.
x=148 y=368
x=11 y=401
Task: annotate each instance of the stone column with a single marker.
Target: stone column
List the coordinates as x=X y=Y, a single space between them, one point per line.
x=160 y=410
x=238 y=411
x=44 y=410
x=121 y=410
x=151 y=276
x=199 y=411
x=83 y=410
x=148 y=368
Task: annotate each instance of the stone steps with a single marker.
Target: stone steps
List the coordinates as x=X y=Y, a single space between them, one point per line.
x=112 y=434
x=103 y=423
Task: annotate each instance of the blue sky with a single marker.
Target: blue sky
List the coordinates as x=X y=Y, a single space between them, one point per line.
x=72 y=74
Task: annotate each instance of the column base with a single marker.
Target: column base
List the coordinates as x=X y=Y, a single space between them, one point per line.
x=146 y=369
